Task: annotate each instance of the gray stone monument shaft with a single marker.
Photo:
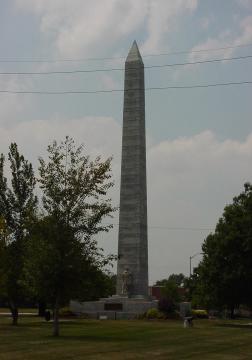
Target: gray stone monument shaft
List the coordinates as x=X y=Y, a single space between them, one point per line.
x=132 y=242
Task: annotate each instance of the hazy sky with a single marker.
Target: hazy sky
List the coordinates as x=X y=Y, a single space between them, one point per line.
x=199 y=140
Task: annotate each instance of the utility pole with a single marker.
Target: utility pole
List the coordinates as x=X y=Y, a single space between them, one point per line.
x=191 y=257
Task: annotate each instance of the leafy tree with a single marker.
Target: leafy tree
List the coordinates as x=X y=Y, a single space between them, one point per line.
x=177 y=278
x=57 y=263
x=196 y=292
x=170 y=291
x=104 y=285
x=224 y=275
x=3 y=235
x=169 y=296
x=67 y=260
x=109 y=287
x=17 y=209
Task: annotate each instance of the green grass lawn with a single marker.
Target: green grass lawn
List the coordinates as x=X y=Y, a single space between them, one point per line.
x=90 y=339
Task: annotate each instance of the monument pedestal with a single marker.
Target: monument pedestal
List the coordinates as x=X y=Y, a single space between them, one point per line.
x=116 y=307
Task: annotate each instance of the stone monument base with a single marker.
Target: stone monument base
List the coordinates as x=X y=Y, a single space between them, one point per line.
x=116 y=307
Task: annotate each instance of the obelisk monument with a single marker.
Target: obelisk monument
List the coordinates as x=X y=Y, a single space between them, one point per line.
x=131 y=298
x=132 y=241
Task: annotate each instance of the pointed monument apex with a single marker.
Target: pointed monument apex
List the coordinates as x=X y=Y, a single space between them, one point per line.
x=134 y=53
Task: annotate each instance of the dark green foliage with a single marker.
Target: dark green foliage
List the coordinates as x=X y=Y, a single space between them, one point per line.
x=64 y=260
x=17 y=211
x=109 y=287
x=170 y=291
x=57 y=265
x=3 y=235
x=224 y=277
x=99 y=284
x=166 y=305
x=177 y=278
x=152 y=313
x=74 y=188
x=51 y=253
x=170 y=296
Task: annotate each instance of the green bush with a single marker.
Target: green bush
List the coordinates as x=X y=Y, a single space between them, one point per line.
x=153 y=313
x=201 y=314
x=166 y=306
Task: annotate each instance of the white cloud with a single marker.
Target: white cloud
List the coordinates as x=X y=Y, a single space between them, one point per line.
x=12 y=105
x=101 y=135
x=225 y=38
x=222 y=41
x=78 y=28
x=163 y=16
x=205 y=22
x=108 y=82
x=246 y=35
x=188 y=163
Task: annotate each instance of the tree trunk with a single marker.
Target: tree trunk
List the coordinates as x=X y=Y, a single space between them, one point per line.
x=56 y=318
x=14 y=313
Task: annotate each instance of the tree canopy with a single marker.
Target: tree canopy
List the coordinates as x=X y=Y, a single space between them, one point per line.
x=64 y=258
x=177 y=278
x=224 y=276
x=17 y=209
